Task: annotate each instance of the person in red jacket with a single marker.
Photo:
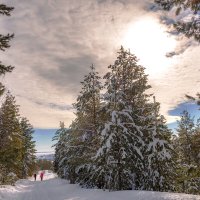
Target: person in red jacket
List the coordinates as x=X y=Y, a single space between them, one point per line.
x=41 y=175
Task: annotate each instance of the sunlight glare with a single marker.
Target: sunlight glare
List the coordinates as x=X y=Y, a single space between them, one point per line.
x=148 y=40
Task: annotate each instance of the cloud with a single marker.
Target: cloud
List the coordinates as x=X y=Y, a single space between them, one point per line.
x=182 y=78
x=169 y=18
x=56 y=42
x=48 y=104
x=69 y=71
x=182 y=47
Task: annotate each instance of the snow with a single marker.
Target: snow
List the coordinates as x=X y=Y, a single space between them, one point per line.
x=53 y=188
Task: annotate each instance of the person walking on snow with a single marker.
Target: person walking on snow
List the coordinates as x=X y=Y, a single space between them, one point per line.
x=35 y=176
x=41 y=175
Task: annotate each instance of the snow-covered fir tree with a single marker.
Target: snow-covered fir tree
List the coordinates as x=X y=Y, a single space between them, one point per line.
x=186 y=130
x=189 y=26
x=128 y=133
x=76 y=146
x=196 y=142
x=4 y=44
x=74 y=159
x=188 y=152
x=59 y=137
x=28 y=148
x=86 y=123
x=195 y=99
x=120 y=142
x=159 y=162
x=10 y=136
x=112 y=165
x=17 y=147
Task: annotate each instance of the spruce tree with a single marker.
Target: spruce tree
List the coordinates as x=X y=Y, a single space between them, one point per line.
x=123 y=161
x=75 y=148
x=4 y=44
x=195 y=186
x=61 y=136
x=121 y=142
x=159 y=153
x=195 y=99
x=10 y=136
x=196 y=142
x=57 y=137
x=28 y=148
x=87 y=123
x=186 y=130
x=188 y=154
x=191 y=27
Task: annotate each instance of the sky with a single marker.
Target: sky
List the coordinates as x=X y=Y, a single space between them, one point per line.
x=57 y=40
x=43 y=138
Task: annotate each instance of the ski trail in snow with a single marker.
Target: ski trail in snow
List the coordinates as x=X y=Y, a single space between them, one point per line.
x=44 y=190
x=53 y=188
x=31 y=190
x=37 y=191
x=41 y=190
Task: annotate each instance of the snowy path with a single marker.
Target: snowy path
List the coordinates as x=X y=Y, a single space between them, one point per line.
x=56 y=189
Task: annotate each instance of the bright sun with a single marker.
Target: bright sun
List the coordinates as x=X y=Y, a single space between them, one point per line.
x=148 y=40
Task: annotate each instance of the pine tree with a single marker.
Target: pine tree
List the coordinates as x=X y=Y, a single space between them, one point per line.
x=186 y=130
x=61 y=136
x=196 y=142
x=86 y=124
x=188 y=154
x=121 y=142
x=159 y=154
x=73 y=158
x=195 y=189
x=10 y=136
x=4 y=44
x=88 y=101
x=77 y=145
x=87 y=107
x=112 y=167
x=113 y=159
x=127 y=134
x=57 y=137
x=28 y=148
x=195 y=99
x=191 y=28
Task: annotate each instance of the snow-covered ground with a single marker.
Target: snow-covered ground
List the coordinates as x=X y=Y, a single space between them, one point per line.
x=53 y=188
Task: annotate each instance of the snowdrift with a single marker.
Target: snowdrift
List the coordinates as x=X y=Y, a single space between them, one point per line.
x=53 y=188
